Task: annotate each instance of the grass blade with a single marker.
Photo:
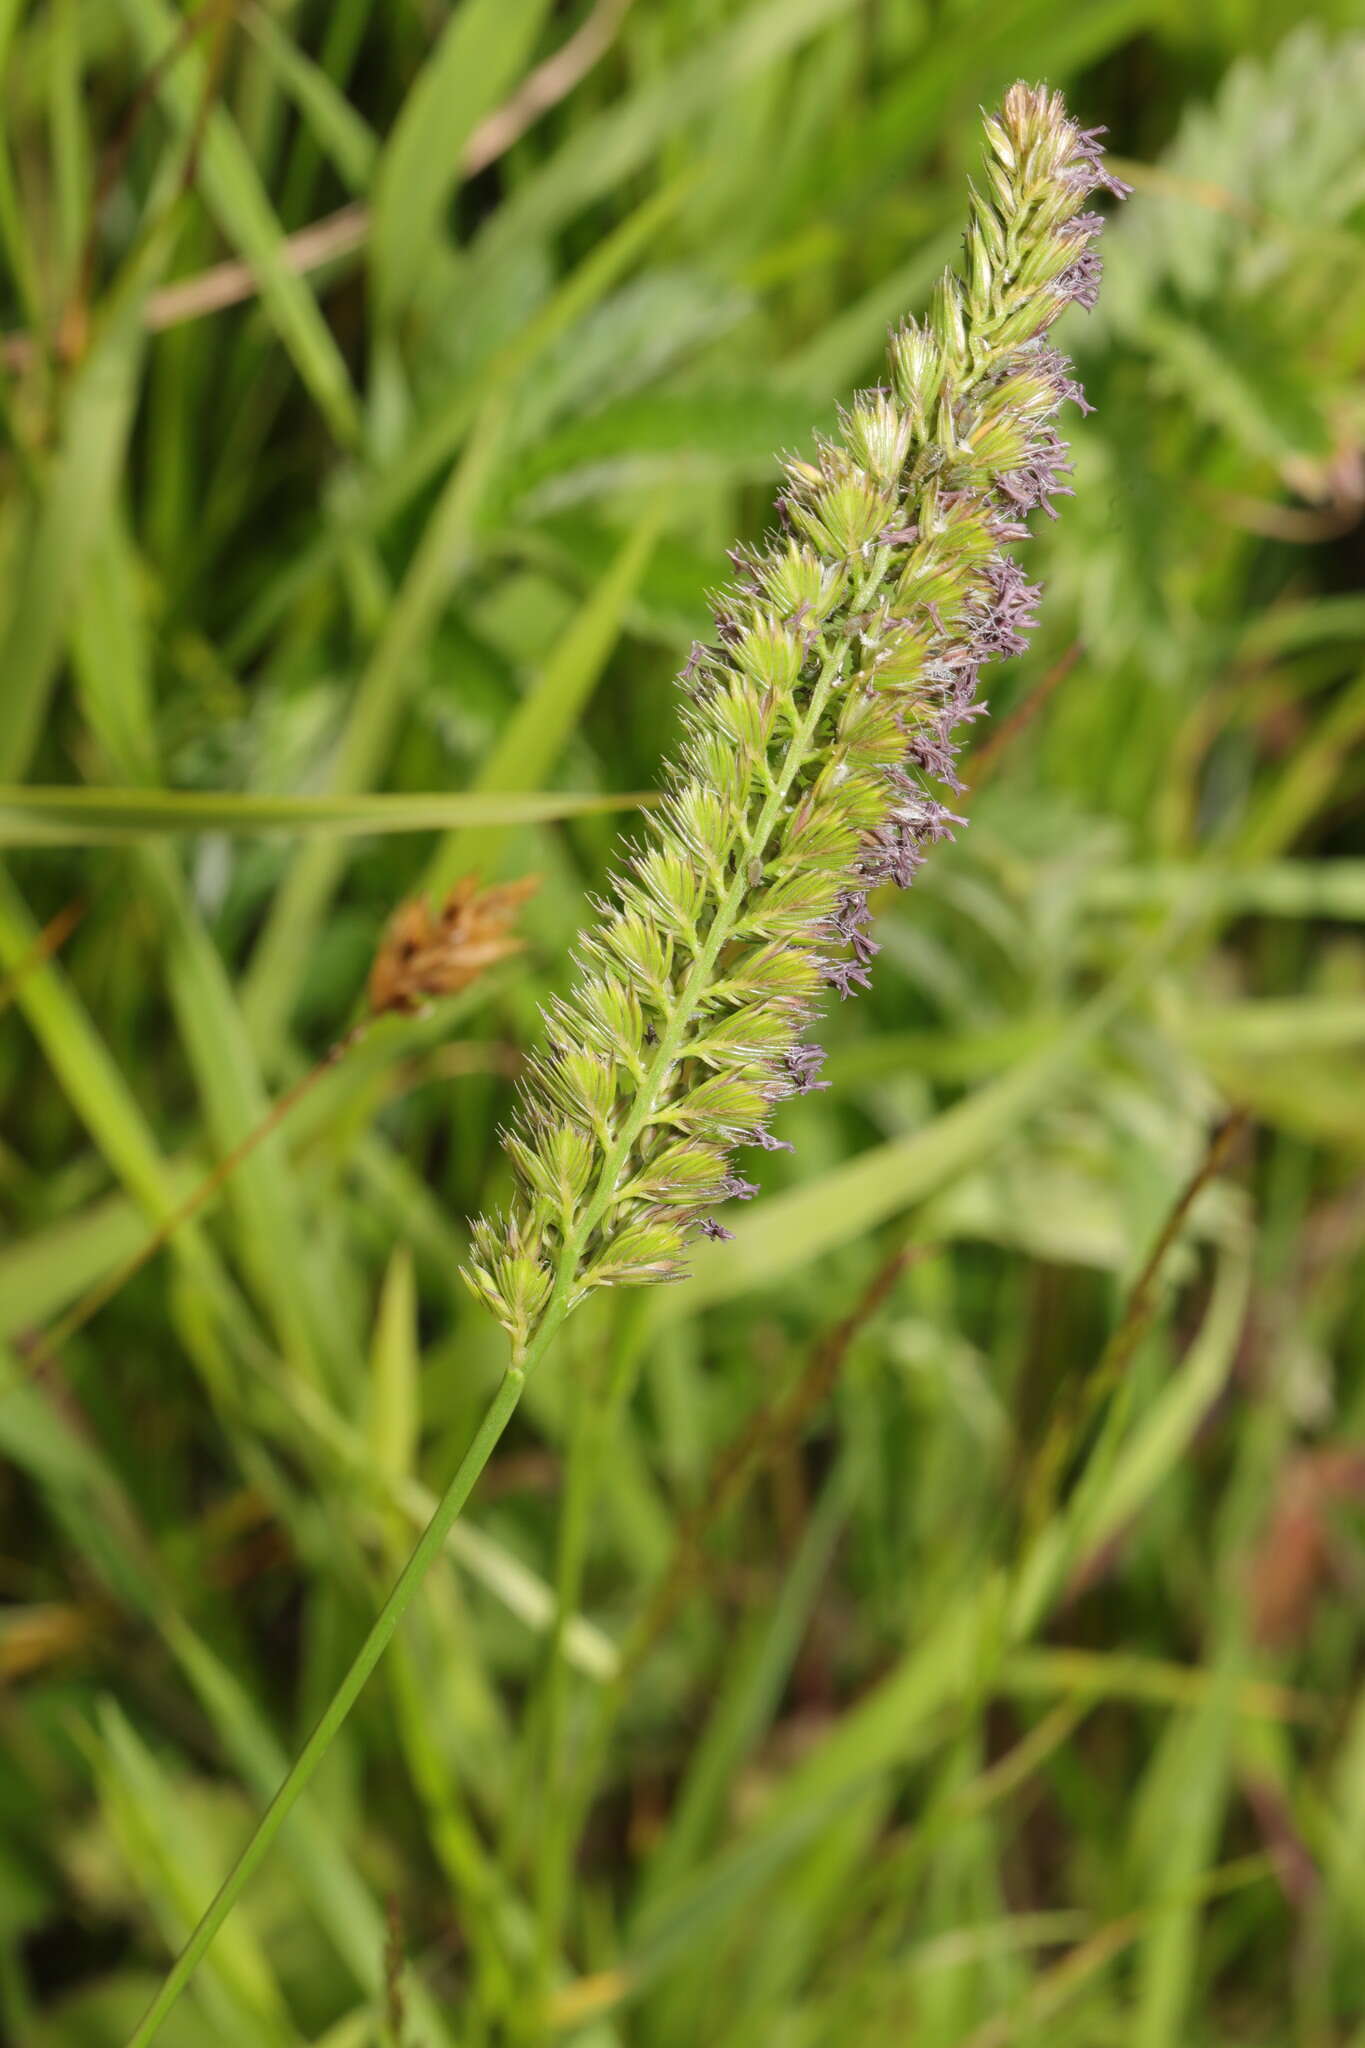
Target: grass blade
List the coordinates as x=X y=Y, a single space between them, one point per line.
x=37 y=816
x=484 y=45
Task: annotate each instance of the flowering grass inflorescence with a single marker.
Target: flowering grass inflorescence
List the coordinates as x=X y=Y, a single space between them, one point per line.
x=821 y=726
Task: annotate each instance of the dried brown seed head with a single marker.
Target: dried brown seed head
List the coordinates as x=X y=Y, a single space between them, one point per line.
x=427 y=953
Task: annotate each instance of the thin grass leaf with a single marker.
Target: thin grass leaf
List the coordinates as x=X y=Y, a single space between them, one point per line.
x=48 y=1269
x=394 y=1403
x=1284 y=888
x=36 y=816
x=526 y=755
x=345 y=137
x=443 y=557
x=604 y=153
x=98 y=1091
x=483 y=46
x=233 y=188
x=173 y=1861
x=792 y=1228
x=747 y=1701
x=77 y=496
x=445 y=423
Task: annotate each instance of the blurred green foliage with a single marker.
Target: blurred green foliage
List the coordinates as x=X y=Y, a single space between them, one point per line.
x=959 y=1633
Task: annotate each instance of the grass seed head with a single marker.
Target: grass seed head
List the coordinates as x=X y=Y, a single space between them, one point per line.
x=821 y=726
x=426 y=953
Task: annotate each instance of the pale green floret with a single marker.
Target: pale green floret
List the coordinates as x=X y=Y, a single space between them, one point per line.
x=799 y=585
x=877 y=433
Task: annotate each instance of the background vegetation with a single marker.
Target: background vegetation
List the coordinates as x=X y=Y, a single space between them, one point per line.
x=959 y=1579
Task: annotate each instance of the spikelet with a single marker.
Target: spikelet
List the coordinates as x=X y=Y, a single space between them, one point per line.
x=821 y=726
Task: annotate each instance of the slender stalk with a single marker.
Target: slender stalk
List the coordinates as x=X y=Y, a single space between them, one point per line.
x=498 y=1415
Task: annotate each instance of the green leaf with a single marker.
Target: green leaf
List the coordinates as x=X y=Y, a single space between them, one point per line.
x=482 y=48
x=443 y=556
x=233 y=188
x=452 y=412
x=49 y=1268
x=394 y=1402
x=723 y=434
x=75 y=499
x=343 y=134
x=529 y=749
x=175 y=1854
x=963 y=62
x=1277 y=888
x=603 y=153
x=749 y=1697
x=1284 y=1027
x=36 y=816
x=1234 y=382
x=792 y=1229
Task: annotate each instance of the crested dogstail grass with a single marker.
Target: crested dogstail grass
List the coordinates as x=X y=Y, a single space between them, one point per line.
x=935 y=1618
x=821 y=733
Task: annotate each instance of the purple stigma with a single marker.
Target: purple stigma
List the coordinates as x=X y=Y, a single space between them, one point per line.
x=803 y=1068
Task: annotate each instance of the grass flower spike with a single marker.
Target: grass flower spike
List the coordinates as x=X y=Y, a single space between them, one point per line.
x=821 y=734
